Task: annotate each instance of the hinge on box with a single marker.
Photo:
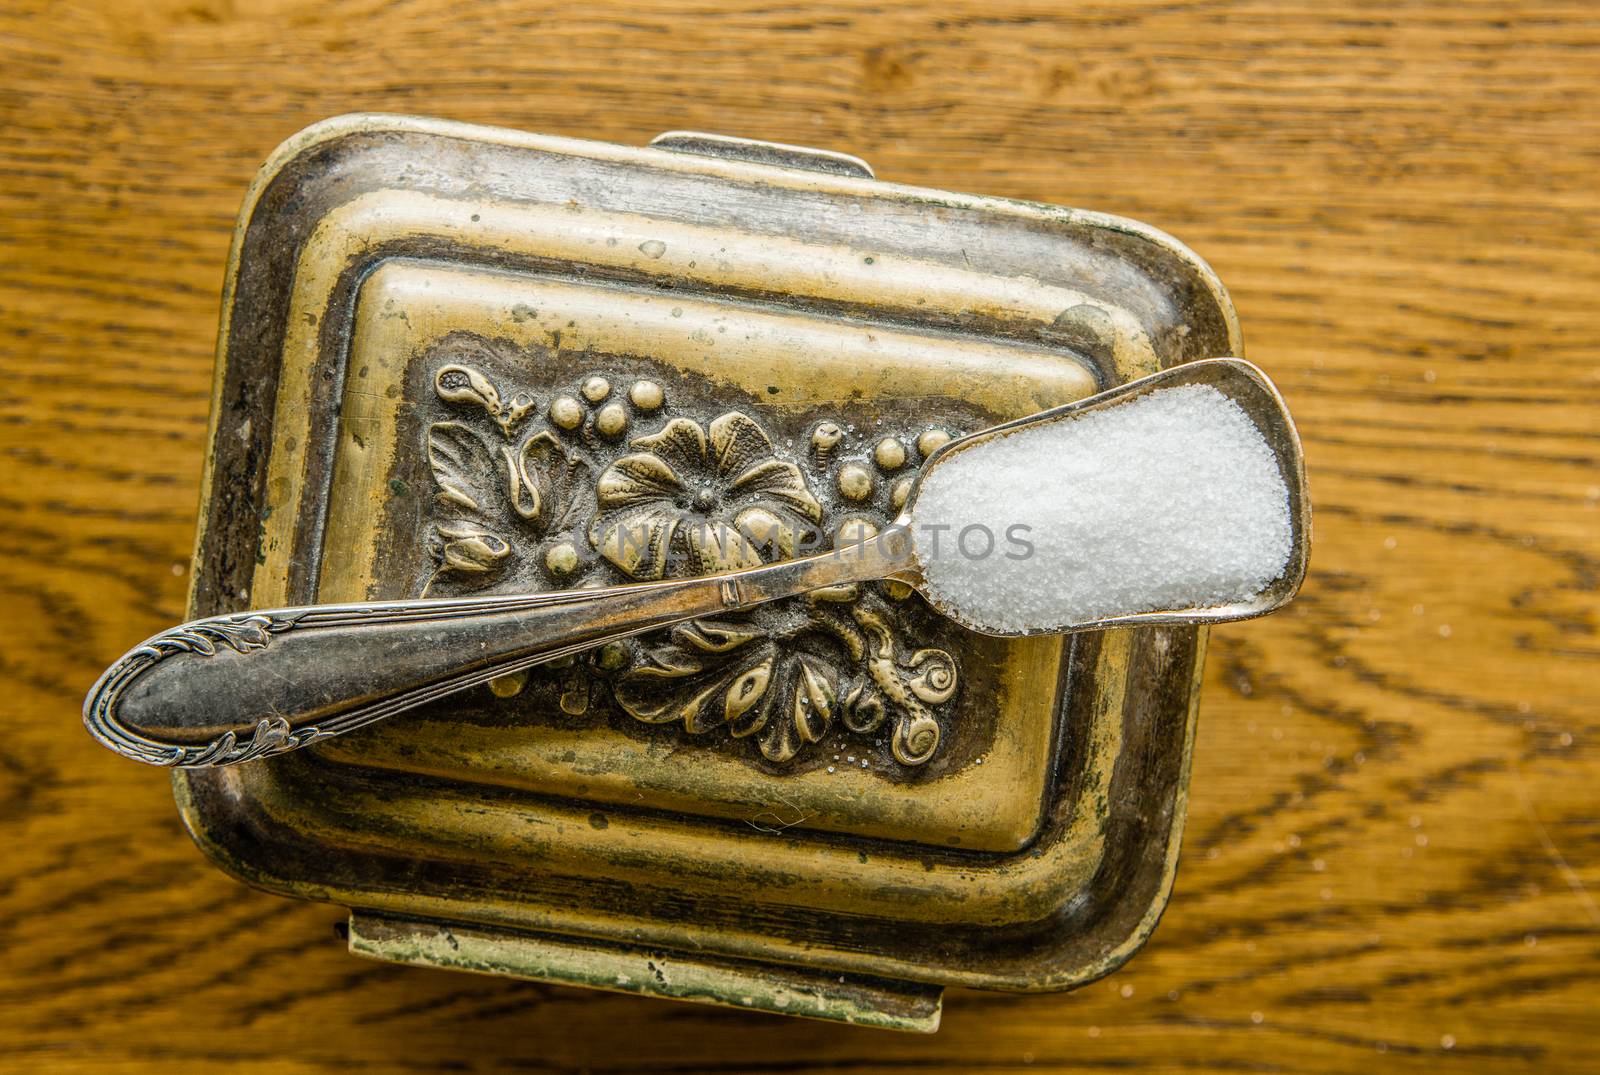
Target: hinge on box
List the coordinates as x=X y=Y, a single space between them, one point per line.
x=775 y=154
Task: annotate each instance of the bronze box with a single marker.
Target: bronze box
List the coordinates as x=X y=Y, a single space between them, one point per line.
x=457 y=359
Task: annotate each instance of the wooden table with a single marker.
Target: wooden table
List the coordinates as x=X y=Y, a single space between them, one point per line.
x=1393 y=853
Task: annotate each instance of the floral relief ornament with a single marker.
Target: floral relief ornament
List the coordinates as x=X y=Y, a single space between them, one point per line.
x=695 y=501
x=684 y=500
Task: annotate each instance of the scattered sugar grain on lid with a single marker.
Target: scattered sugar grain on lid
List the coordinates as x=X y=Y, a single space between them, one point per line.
x=1169 y=501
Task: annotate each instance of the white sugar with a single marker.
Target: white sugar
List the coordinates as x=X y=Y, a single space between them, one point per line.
x=1169 y=501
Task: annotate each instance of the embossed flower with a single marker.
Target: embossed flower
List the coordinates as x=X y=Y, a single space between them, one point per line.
x=736 y=675
x=693 y=500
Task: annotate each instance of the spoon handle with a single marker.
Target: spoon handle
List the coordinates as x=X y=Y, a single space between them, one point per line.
x=251 y=684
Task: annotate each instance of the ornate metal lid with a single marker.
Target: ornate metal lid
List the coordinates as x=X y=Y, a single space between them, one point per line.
x=458 y=360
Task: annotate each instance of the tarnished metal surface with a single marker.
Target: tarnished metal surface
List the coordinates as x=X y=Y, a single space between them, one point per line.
x=889 y=1005
x=1033 y=851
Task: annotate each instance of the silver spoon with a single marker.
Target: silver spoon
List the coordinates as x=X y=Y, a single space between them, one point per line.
x=246 y=685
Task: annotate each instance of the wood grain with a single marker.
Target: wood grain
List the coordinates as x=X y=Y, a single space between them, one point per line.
x=1393 y=856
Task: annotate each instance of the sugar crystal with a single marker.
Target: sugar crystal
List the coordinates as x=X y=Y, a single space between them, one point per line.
x=1168 y=501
